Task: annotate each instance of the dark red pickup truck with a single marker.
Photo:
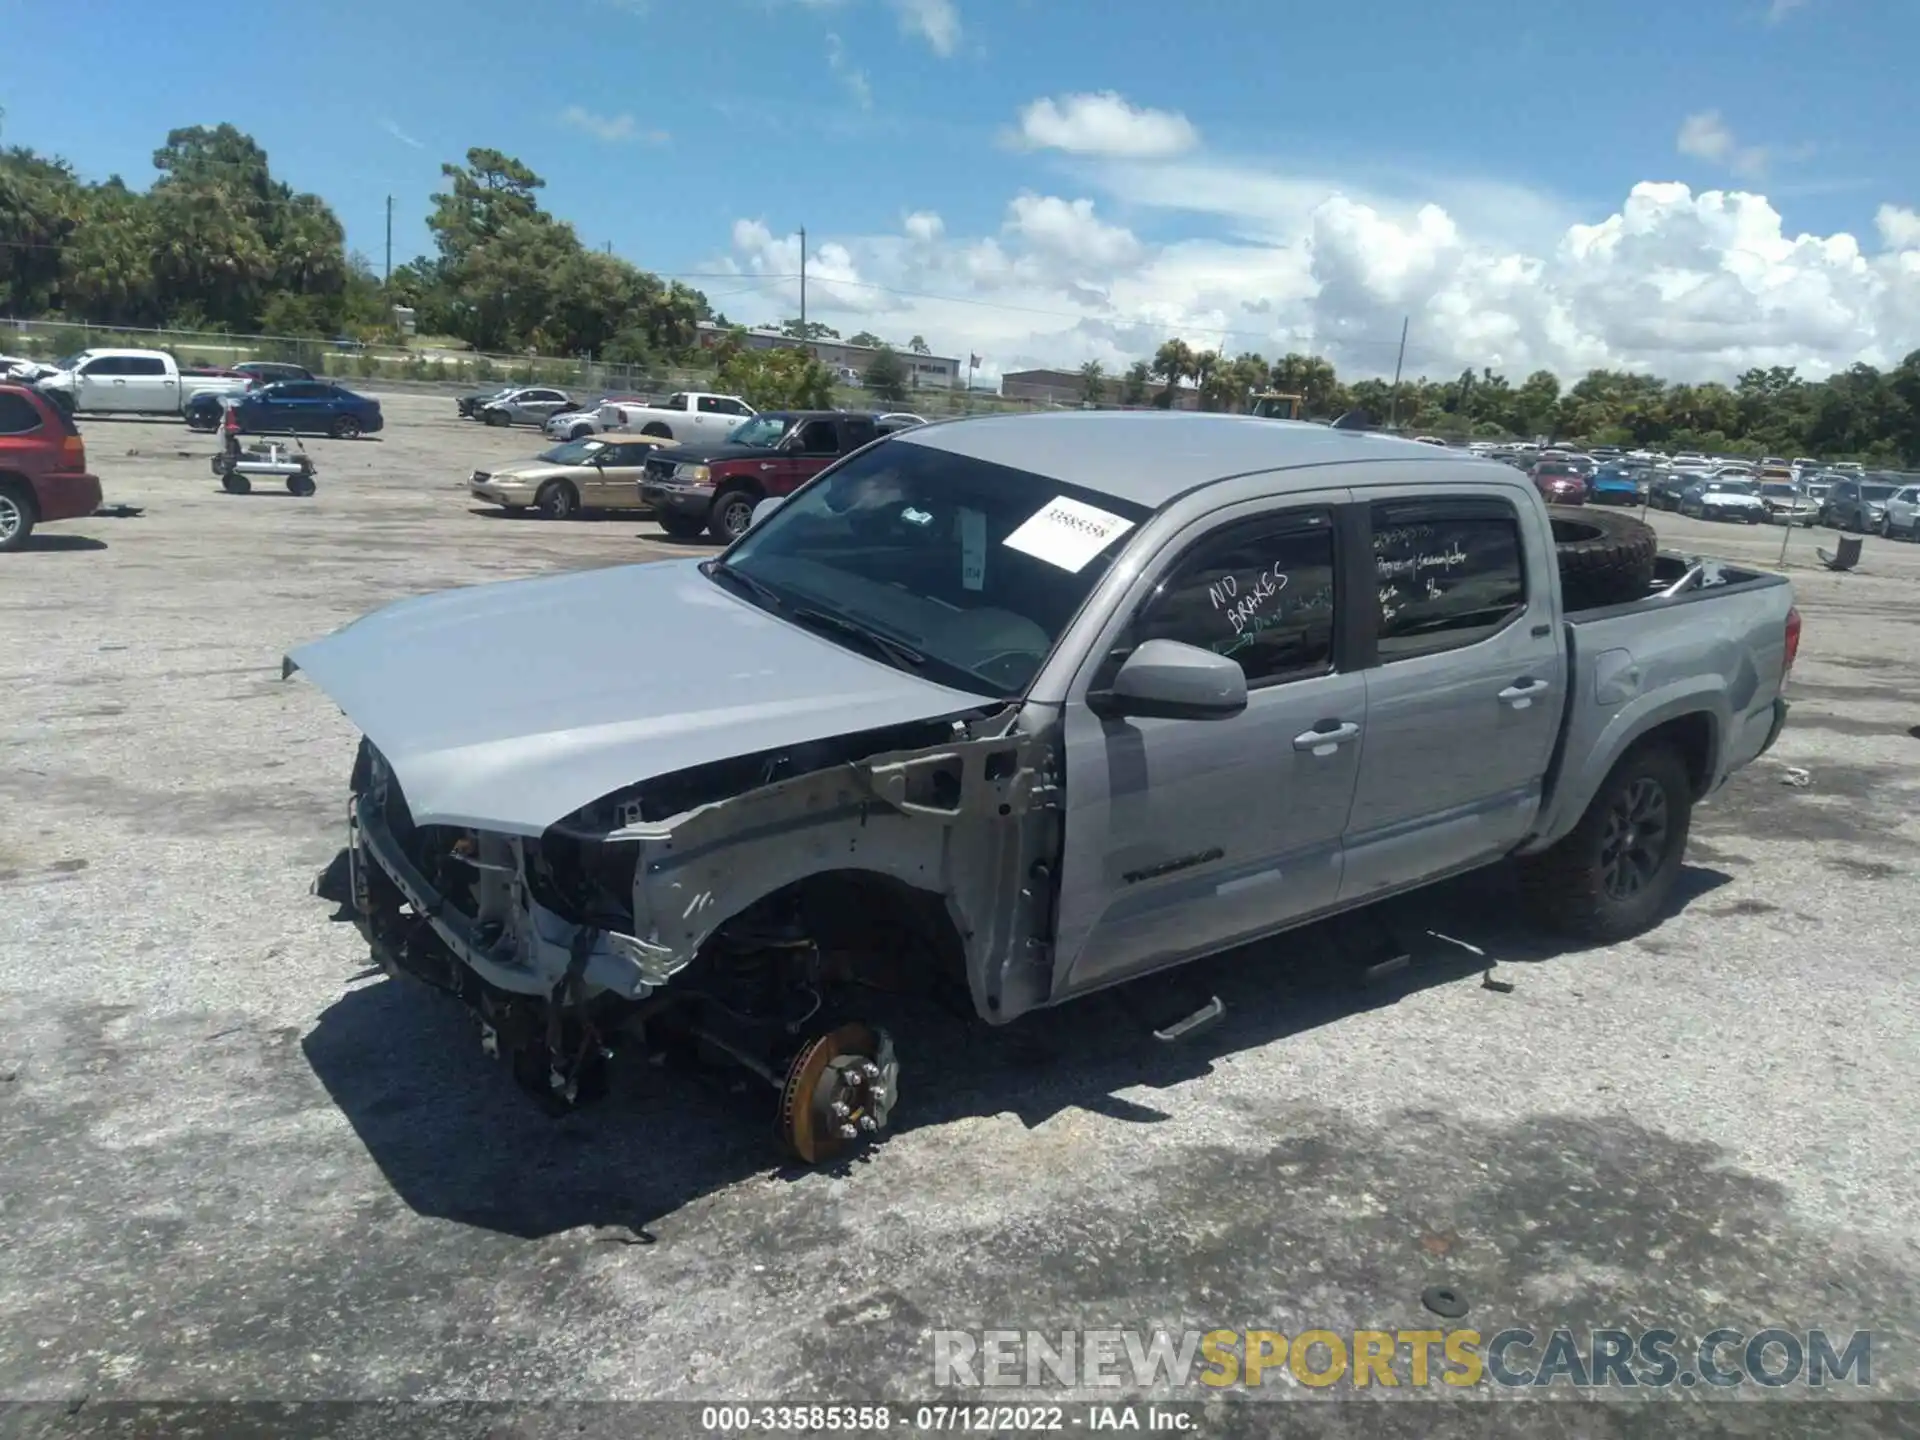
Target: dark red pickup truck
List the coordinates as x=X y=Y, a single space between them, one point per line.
x=715 y=487
x=43 y=466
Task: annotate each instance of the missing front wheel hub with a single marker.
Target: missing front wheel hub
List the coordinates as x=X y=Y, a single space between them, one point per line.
x=839 y=1092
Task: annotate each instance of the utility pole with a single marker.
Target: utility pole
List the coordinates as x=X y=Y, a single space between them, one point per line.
x=1393 y=400
x=803 y=280
x=389 y=278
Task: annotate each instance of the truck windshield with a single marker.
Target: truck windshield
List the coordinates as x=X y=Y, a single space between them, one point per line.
x=763 y=432
x=975 y=568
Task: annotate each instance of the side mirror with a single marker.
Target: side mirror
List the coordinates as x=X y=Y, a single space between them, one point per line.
x=1171 y=680
x=765 y=508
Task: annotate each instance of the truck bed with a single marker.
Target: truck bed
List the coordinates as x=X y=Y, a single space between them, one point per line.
x=1708 y=636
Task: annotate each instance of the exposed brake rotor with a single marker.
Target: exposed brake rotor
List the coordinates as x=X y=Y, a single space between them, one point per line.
x=840 y=1089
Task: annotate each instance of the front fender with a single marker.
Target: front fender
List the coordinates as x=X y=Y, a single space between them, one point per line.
x=956 y=821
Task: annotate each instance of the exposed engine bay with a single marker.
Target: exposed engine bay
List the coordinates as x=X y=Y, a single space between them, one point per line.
x=734 y=911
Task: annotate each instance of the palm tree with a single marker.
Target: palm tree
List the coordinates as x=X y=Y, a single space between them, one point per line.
x=1093 y=382
x=1172 y=363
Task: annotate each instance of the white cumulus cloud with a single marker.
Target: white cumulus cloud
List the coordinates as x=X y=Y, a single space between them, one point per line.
x=1687 y=283
x=1105 y=124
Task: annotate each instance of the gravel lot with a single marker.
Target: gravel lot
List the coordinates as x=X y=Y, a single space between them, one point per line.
x=238 y=1166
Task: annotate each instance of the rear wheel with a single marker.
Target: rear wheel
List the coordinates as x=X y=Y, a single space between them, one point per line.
x=1612 y=876
x=732 y=514
x=557 y=500
x=17 y=514
x=345 y=427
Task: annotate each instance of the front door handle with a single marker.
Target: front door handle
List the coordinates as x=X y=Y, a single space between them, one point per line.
x=1520 y=694
x=1326 y=737
x=766 y=465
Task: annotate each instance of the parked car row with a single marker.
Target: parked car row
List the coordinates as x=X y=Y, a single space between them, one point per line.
x=689 y=486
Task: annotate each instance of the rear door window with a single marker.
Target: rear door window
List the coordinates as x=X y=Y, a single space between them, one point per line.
x=1450 y=573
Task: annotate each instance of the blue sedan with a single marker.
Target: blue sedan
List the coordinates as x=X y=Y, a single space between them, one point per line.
x=303 y=407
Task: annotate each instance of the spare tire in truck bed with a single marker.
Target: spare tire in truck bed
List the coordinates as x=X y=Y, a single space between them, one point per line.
x=1605 y=558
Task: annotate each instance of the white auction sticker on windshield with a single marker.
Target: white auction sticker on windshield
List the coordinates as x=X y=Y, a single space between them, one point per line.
x=1067 y=533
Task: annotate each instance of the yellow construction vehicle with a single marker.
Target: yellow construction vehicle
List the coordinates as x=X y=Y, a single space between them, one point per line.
x=1273 y=405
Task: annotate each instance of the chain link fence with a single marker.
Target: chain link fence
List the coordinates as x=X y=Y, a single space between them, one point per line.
x=425 y=363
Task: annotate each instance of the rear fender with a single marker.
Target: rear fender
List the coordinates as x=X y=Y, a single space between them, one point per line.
x=965 y=821
x=1592 y=754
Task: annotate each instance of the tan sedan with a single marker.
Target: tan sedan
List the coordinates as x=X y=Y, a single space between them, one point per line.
x=601 y=472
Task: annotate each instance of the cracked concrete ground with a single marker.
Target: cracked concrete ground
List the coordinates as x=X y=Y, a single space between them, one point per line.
x=239 y=1167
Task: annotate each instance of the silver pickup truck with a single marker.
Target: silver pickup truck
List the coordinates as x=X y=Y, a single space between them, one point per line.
x=1037 y=705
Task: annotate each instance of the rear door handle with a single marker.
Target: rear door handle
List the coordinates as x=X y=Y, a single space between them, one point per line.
x=1326 y=737
x=1520 y=694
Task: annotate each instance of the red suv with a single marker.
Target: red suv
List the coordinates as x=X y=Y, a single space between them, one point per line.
x=43 y=466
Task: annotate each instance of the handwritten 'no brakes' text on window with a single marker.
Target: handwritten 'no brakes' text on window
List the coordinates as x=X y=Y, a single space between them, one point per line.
x=1243 y=604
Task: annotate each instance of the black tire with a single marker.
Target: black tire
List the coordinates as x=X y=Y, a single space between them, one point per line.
x=731 y=515
x=1593 y=886
x=681 y=527
x=557 y=500
x=580 y=432
x=18 y=514
x=235 y=484
x=1605 y=556
x=344 y=427
x=300 y=485
x=656 y=428
x=498 y=417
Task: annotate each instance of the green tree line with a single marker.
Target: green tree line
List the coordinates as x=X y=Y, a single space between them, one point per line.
x=1860 y=412
x=216 y=243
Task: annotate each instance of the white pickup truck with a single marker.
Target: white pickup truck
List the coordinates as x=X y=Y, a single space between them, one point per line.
x=691 y=415
x=134 y=382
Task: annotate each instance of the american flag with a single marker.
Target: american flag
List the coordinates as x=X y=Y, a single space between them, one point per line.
x=973 y=362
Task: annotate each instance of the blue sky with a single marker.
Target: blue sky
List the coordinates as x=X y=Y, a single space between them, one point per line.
x=661 y=125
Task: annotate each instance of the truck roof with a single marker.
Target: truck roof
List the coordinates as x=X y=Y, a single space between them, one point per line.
x=1151 y=456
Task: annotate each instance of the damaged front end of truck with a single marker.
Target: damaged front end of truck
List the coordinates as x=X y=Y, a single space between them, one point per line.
x=738 y=909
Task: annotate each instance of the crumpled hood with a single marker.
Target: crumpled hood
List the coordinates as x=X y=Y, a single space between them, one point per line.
x=509 y=706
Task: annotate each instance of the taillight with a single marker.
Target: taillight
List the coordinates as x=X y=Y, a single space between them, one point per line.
x=73 y=453
x=1793 y=639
